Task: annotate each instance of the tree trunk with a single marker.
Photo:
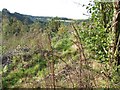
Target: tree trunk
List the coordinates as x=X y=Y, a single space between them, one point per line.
x=52 y=63
x=115 y=45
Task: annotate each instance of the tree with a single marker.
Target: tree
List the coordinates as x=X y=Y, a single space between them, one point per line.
x=115 y=45
x=54 y=24
x=103 y=37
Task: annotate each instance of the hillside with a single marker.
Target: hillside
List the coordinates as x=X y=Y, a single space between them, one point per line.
x=55 y=52
x=30 y=19
x=26 y=43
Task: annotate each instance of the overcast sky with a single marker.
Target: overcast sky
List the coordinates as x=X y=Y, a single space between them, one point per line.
x=60 y=8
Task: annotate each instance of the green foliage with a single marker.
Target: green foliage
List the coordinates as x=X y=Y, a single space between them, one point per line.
x=63 y=44
x=12 y=78
x=94 y=34
x=95 y=39
x=102 y=13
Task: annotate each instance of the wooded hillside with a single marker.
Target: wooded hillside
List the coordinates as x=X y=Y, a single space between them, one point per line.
x=54 y=52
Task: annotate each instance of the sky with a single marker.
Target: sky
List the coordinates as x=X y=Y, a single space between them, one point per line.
x=61 y=8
